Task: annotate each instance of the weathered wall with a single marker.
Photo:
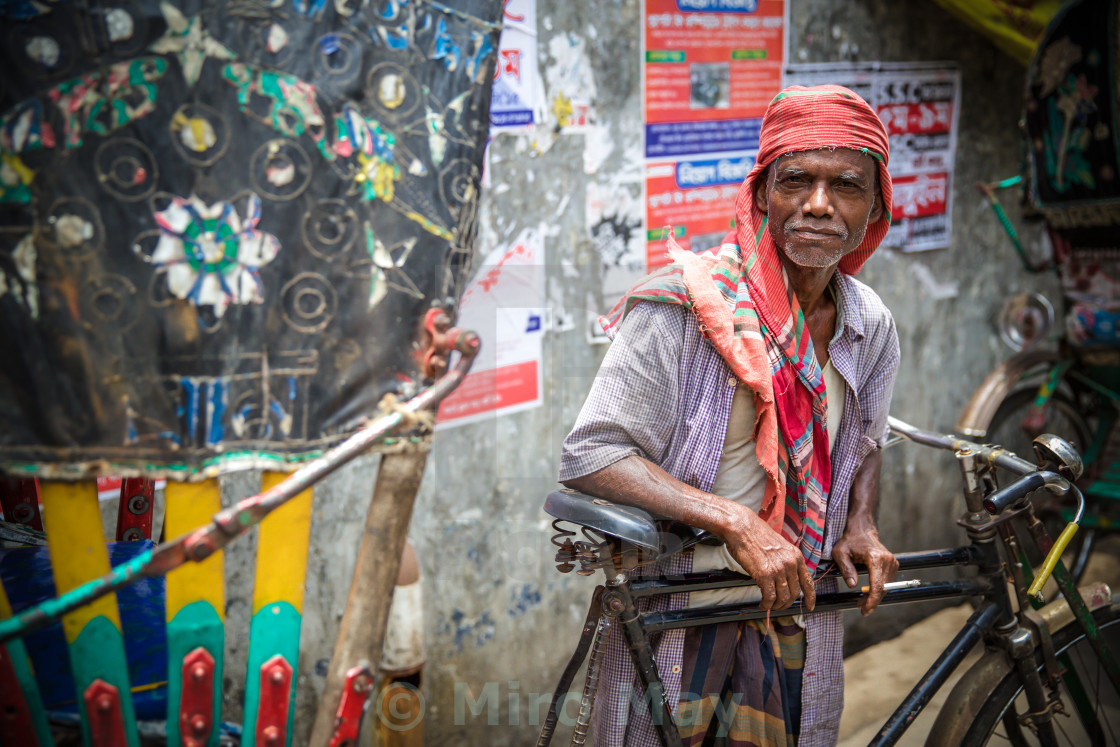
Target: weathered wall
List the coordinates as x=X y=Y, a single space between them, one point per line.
x=500 y=621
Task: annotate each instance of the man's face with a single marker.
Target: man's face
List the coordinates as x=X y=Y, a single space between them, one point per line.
x=819 y=203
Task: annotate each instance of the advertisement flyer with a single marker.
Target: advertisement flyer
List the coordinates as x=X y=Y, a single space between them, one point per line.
x=499 y=305
x=918 y=103
x=694 y=199
x=517 y=101
x=710 y=68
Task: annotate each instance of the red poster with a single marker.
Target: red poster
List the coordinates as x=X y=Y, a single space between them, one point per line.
x=695 y=200
x=711 y=67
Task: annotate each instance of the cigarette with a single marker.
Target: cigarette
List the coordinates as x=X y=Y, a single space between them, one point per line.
x=894 y=585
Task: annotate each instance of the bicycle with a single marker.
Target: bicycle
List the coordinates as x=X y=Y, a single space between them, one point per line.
x=1044 y=661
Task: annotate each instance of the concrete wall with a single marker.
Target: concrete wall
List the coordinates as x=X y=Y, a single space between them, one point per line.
x=500 y=621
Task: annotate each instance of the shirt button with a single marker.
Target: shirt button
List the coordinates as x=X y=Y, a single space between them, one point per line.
x=676 y=669
x=732 y=381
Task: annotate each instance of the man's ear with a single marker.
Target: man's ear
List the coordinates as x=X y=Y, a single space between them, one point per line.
x=876 y=207
x=761 y=185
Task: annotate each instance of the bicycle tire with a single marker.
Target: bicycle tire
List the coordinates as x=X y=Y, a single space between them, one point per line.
x=974 y=712
x=1063 y=418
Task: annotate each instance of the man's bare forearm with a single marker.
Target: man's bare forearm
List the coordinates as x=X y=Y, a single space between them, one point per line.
x=863 y=499
x=638 y=482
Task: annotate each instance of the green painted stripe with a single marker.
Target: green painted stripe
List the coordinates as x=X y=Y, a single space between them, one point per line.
x=758 y=236
x=30 y=689
x=197 y=624
x=273 y=630
x=98 y=653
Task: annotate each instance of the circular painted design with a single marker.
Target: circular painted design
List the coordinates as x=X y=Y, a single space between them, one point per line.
x=309 y=302
x=126 y=169
x=74 y=225
x=280 y=170
x=199 y=134
x=392 y=90
x=329 y=229
x=110 y=299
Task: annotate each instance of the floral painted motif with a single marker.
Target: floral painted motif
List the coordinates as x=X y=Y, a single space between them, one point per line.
x=294 y=110
x=377 y=169
x=107 y=100
x=187 y=39
x=1069 y=137
x=25 y=129
x=212 y=254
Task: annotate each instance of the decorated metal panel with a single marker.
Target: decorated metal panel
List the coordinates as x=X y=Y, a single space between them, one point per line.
x=221 y=223
x=1073 y=121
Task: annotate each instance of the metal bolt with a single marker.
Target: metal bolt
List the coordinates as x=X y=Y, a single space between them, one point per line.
x=138 y=504
x=23 y=513
x=271 y=735
x=277 y=677
x=363 y=683
x=132 y=534
x=615 y=605
x=198 y=672
x=104 y=703
x=198 y=724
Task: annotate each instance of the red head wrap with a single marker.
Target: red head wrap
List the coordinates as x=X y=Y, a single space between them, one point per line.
x=801 y=118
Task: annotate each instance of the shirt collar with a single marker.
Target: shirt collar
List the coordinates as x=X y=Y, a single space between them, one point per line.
x=844 y=296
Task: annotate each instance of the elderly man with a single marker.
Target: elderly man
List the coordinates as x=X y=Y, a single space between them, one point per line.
x=746 y=393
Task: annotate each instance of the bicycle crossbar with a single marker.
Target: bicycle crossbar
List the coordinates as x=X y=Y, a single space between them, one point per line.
x=844 y=600
x=907 y=561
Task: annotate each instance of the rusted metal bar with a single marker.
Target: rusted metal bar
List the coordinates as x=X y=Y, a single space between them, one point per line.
x=362 y=630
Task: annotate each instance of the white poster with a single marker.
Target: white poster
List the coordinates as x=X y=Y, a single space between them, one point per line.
x=517 y=101
x=919 y=105
x=502 y=304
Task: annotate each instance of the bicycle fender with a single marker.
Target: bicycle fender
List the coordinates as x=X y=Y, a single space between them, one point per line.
x=977 y=414
x=971 y=691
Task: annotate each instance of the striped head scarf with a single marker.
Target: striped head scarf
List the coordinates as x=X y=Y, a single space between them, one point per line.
x=745 y=307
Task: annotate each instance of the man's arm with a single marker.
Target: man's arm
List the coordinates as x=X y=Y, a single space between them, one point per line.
x=777 y=566
x=860 y=543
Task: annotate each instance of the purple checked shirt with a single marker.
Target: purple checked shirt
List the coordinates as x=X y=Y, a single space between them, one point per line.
x=664 y=393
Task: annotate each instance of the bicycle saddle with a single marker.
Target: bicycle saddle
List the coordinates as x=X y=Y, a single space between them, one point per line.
x=656 y=537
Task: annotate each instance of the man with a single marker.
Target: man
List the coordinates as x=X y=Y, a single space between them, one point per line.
x=747 y=394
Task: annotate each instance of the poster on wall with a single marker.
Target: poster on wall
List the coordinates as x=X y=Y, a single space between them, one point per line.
x=694 y=199
x=500 y=304
x=517 y=101
x=710 y=68
x=919 y=105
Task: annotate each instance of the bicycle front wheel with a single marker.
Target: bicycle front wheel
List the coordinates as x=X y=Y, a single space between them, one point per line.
x=1091 y=705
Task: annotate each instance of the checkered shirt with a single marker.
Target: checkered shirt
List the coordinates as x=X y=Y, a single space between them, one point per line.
x=664 y=393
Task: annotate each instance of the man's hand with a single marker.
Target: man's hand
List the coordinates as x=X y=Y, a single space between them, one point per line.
x=777 y=566
x=861 y=545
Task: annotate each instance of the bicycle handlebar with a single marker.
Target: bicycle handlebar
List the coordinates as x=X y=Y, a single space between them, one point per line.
x=1031 y=479
x=1015 y=492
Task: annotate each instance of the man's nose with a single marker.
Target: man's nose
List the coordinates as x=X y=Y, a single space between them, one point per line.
x=818 y=202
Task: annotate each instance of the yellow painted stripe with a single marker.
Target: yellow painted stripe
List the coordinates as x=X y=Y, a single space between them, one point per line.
x=282 y=550
x=77 y=548
x=5 y=605
x=190 y=506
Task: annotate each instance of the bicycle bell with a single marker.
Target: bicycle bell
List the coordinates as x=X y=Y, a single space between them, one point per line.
x=1057 y=454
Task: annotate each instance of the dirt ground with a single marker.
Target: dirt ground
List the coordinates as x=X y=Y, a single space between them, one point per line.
x=879 y=677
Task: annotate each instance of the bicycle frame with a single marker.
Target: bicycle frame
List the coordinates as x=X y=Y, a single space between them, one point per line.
x=994 y=621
